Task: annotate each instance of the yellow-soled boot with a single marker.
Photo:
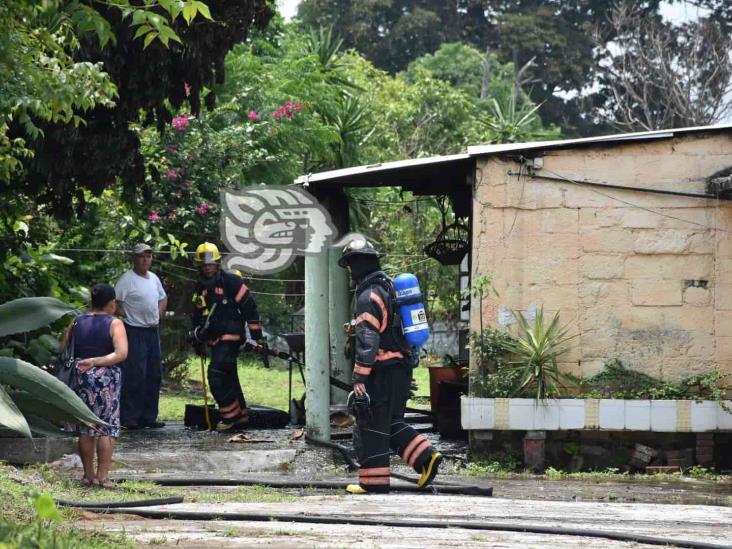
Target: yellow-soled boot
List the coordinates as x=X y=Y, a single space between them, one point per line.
x=355 y=489
x=429 y=471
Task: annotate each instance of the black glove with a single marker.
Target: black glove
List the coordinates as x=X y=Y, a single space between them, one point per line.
x=252 y=347
x=195 y=339
x=360 y=408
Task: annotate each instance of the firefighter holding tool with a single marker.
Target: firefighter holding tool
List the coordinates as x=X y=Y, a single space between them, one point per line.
x=382 y=375
x=224 y=308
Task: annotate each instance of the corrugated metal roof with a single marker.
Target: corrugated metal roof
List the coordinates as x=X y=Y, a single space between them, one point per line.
x=482 y=150
x=394 y=167
x=376 y=168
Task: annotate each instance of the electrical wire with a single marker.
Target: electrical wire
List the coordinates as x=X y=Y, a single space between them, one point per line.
x=633 y=205
x=188 y=279
x=274 y=279
x=390 y=202
x=619 y=187
x=161 y=262
x=515 y=211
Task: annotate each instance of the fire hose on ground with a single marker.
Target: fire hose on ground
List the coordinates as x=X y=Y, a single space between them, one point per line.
x=330 y=519
x=133 y=507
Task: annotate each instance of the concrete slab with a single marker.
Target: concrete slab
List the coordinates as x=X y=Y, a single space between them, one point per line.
x=190 y=462
x=688 y=522
x=24 y=451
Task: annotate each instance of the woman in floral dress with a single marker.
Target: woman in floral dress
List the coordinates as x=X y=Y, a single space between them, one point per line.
x=100 y=345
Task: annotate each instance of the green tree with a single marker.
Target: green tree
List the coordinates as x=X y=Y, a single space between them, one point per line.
x=154 y=57
x=466 y=68
x=40 y=80
x=74 y=78
x=550 y=39
x=389 y=33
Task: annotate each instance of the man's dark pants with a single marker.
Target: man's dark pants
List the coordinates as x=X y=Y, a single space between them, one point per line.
x=141 y=377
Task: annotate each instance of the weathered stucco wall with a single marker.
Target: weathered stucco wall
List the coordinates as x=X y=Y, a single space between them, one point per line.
x=642 y=277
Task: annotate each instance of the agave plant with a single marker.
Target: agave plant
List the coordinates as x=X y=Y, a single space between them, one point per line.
x=31 y=398
x=535 y=350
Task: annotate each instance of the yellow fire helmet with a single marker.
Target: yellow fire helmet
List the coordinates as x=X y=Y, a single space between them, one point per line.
x=206 y=254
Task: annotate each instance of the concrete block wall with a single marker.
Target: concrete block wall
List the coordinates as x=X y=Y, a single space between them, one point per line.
x=642 y=277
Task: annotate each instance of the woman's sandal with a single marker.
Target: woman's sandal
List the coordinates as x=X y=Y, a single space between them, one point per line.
x=87 y=482
x=106 y=483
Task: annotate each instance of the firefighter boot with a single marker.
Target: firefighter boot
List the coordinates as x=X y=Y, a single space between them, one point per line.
x=429 y=470
x=355 y=489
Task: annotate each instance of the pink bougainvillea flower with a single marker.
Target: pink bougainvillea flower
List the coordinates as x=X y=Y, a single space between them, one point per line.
x=154 y=216
x=170 y=148
x=287 y=110
x=253 y=115
x=181 y=122
x=187 y=88
x=172 y=173
x=202 y=208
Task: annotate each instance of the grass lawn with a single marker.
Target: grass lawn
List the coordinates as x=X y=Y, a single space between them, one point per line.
x=20 y=526
x=263 y=386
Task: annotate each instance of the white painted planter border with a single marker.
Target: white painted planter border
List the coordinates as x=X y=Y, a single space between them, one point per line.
x=525 y=414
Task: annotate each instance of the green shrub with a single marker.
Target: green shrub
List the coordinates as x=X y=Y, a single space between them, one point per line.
x=535 y=351
x=617 y=381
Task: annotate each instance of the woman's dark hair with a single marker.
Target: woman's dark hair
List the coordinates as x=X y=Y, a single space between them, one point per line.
x=101 y=294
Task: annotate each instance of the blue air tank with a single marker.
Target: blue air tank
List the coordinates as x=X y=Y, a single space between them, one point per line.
x=411 y=310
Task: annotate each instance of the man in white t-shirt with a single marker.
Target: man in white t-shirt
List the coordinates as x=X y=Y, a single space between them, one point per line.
x=141 y=302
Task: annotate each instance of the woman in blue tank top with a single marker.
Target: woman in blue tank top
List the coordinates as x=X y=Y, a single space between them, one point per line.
x=100 y=345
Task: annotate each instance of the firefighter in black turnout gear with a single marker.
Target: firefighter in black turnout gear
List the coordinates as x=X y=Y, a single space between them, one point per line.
x=223 y=307
x=382 y=375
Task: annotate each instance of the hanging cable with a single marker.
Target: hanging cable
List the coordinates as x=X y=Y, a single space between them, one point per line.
x=631 y=204
x=586 y=183
x=390 y=202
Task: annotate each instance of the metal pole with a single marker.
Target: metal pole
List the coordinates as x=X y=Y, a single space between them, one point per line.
x=339 y=308
x=317 y=363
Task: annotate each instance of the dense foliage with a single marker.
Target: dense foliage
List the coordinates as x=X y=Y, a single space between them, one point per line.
x=150 y=78
x=292 y=102
x=559 y=49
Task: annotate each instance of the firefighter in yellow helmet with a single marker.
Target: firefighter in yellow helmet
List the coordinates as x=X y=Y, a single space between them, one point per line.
x=224 y=308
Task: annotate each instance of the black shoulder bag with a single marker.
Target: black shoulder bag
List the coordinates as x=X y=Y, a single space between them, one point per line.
x=66 y=363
